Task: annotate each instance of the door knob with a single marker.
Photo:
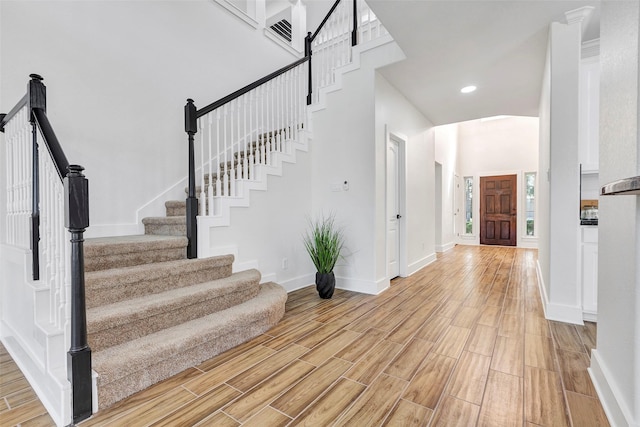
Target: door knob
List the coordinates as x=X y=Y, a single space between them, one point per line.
x=398 y=216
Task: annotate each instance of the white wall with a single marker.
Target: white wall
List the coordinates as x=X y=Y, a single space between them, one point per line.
x=446 y=149
x=394 y=113
x=268 y=234
x=343 y=149
x=544 y=169
x=560 y=176
x=615 y=365
x=118 y=75
x=505 y=146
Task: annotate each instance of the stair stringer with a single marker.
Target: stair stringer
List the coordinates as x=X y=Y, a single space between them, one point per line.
x=223 y=204
x=37 y=347
x=357 y=51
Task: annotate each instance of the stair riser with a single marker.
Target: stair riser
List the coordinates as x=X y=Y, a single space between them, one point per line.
x=108 y=394
x=105 y=262
x=138 y=328
x=108 y=290
x=176 y=210
x=166 y=229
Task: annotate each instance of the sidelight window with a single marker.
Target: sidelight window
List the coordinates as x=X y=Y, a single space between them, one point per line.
x=468 y=205
x=530 y=202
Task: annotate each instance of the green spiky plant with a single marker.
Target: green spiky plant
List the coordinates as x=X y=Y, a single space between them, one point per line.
x=324 y=242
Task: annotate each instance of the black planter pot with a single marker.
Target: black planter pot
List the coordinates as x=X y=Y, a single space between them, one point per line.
x=325 y=284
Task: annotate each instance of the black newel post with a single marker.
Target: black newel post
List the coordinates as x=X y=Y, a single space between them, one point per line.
x=308 y=52
x=354 y=33
x=76 y=220
x=191 y=127
x=37 y=98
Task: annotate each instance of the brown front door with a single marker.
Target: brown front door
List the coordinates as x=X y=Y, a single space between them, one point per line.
x=498 y=209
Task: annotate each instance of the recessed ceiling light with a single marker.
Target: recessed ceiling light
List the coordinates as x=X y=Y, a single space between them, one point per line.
x=468 y=89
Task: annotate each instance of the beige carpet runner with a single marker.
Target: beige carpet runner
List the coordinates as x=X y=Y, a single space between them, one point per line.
x=152 y=313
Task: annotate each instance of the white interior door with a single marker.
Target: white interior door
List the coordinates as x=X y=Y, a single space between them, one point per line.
x=393 y=209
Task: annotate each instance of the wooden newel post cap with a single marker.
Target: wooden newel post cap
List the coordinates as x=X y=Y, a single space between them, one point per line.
x=76 y=199
x=36 y=77
x=190 y=119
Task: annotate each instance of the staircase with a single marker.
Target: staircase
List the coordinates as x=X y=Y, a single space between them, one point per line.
x=152 y=313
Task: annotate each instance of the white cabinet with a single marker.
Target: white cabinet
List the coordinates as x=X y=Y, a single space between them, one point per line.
x=589 y=272
x=589 y=114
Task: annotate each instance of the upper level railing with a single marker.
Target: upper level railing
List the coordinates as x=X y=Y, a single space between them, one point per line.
x=251 y=127
x=44 y=195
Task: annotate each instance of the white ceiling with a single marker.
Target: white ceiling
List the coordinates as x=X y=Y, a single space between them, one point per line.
x=497 y=45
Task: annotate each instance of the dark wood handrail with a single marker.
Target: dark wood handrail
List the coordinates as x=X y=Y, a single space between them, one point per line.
x=326 y=18
x=51 y=142
x=214 y=105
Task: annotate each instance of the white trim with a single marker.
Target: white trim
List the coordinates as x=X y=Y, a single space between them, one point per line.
x=565 y=313
x=445 y=247
x=271 y=35
x=53 y=392
x=590 y=316
x=370 y=287
x=298 y=282
x=557 y=312
x=609 y=394
x=420 y=264
x=591 y=49
x=240 y=14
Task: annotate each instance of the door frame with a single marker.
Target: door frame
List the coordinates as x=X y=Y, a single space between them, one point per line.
x=519 y=204
x=401 y=140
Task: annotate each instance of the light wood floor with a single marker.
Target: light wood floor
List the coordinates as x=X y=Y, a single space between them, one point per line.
x=463 y=342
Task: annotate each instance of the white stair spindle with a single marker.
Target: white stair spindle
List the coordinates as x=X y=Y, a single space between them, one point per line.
x=249 y=155
x=260 y=136
x=289 y=107
x=225 y=177
x=281 y=126
x=234 y=148
x=202 y=184
x=243 y=159
x=217 y=160
x=271 y=116
x=209 y=203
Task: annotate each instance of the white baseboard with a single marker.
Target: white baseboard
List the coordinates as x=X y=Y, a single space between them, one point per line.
x=363 y=286
x=445 y=247
x=590 y=316
x=609 y=394
x=54 y=393
x=564 y=313
x=298 y=282
x=420 y=264
x=557 y=312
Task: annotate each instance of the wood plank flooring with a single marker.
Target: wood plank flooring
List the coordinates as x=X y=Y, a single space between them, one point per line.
x=462 y=342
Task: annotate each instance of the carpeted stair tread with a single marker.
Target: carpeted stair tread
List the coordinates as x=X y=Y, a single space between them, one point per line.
x=166 y=225
x=116 y=323
x=132 y=366
x=109 y=286
x=102 y=253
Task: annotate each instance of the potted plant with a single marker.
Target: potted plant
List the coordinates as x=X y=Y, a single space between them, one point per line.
x=324 y=242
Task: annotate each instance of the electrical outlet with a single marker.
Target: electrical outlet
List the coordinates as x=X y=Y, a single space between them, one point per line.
x=285 y=263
